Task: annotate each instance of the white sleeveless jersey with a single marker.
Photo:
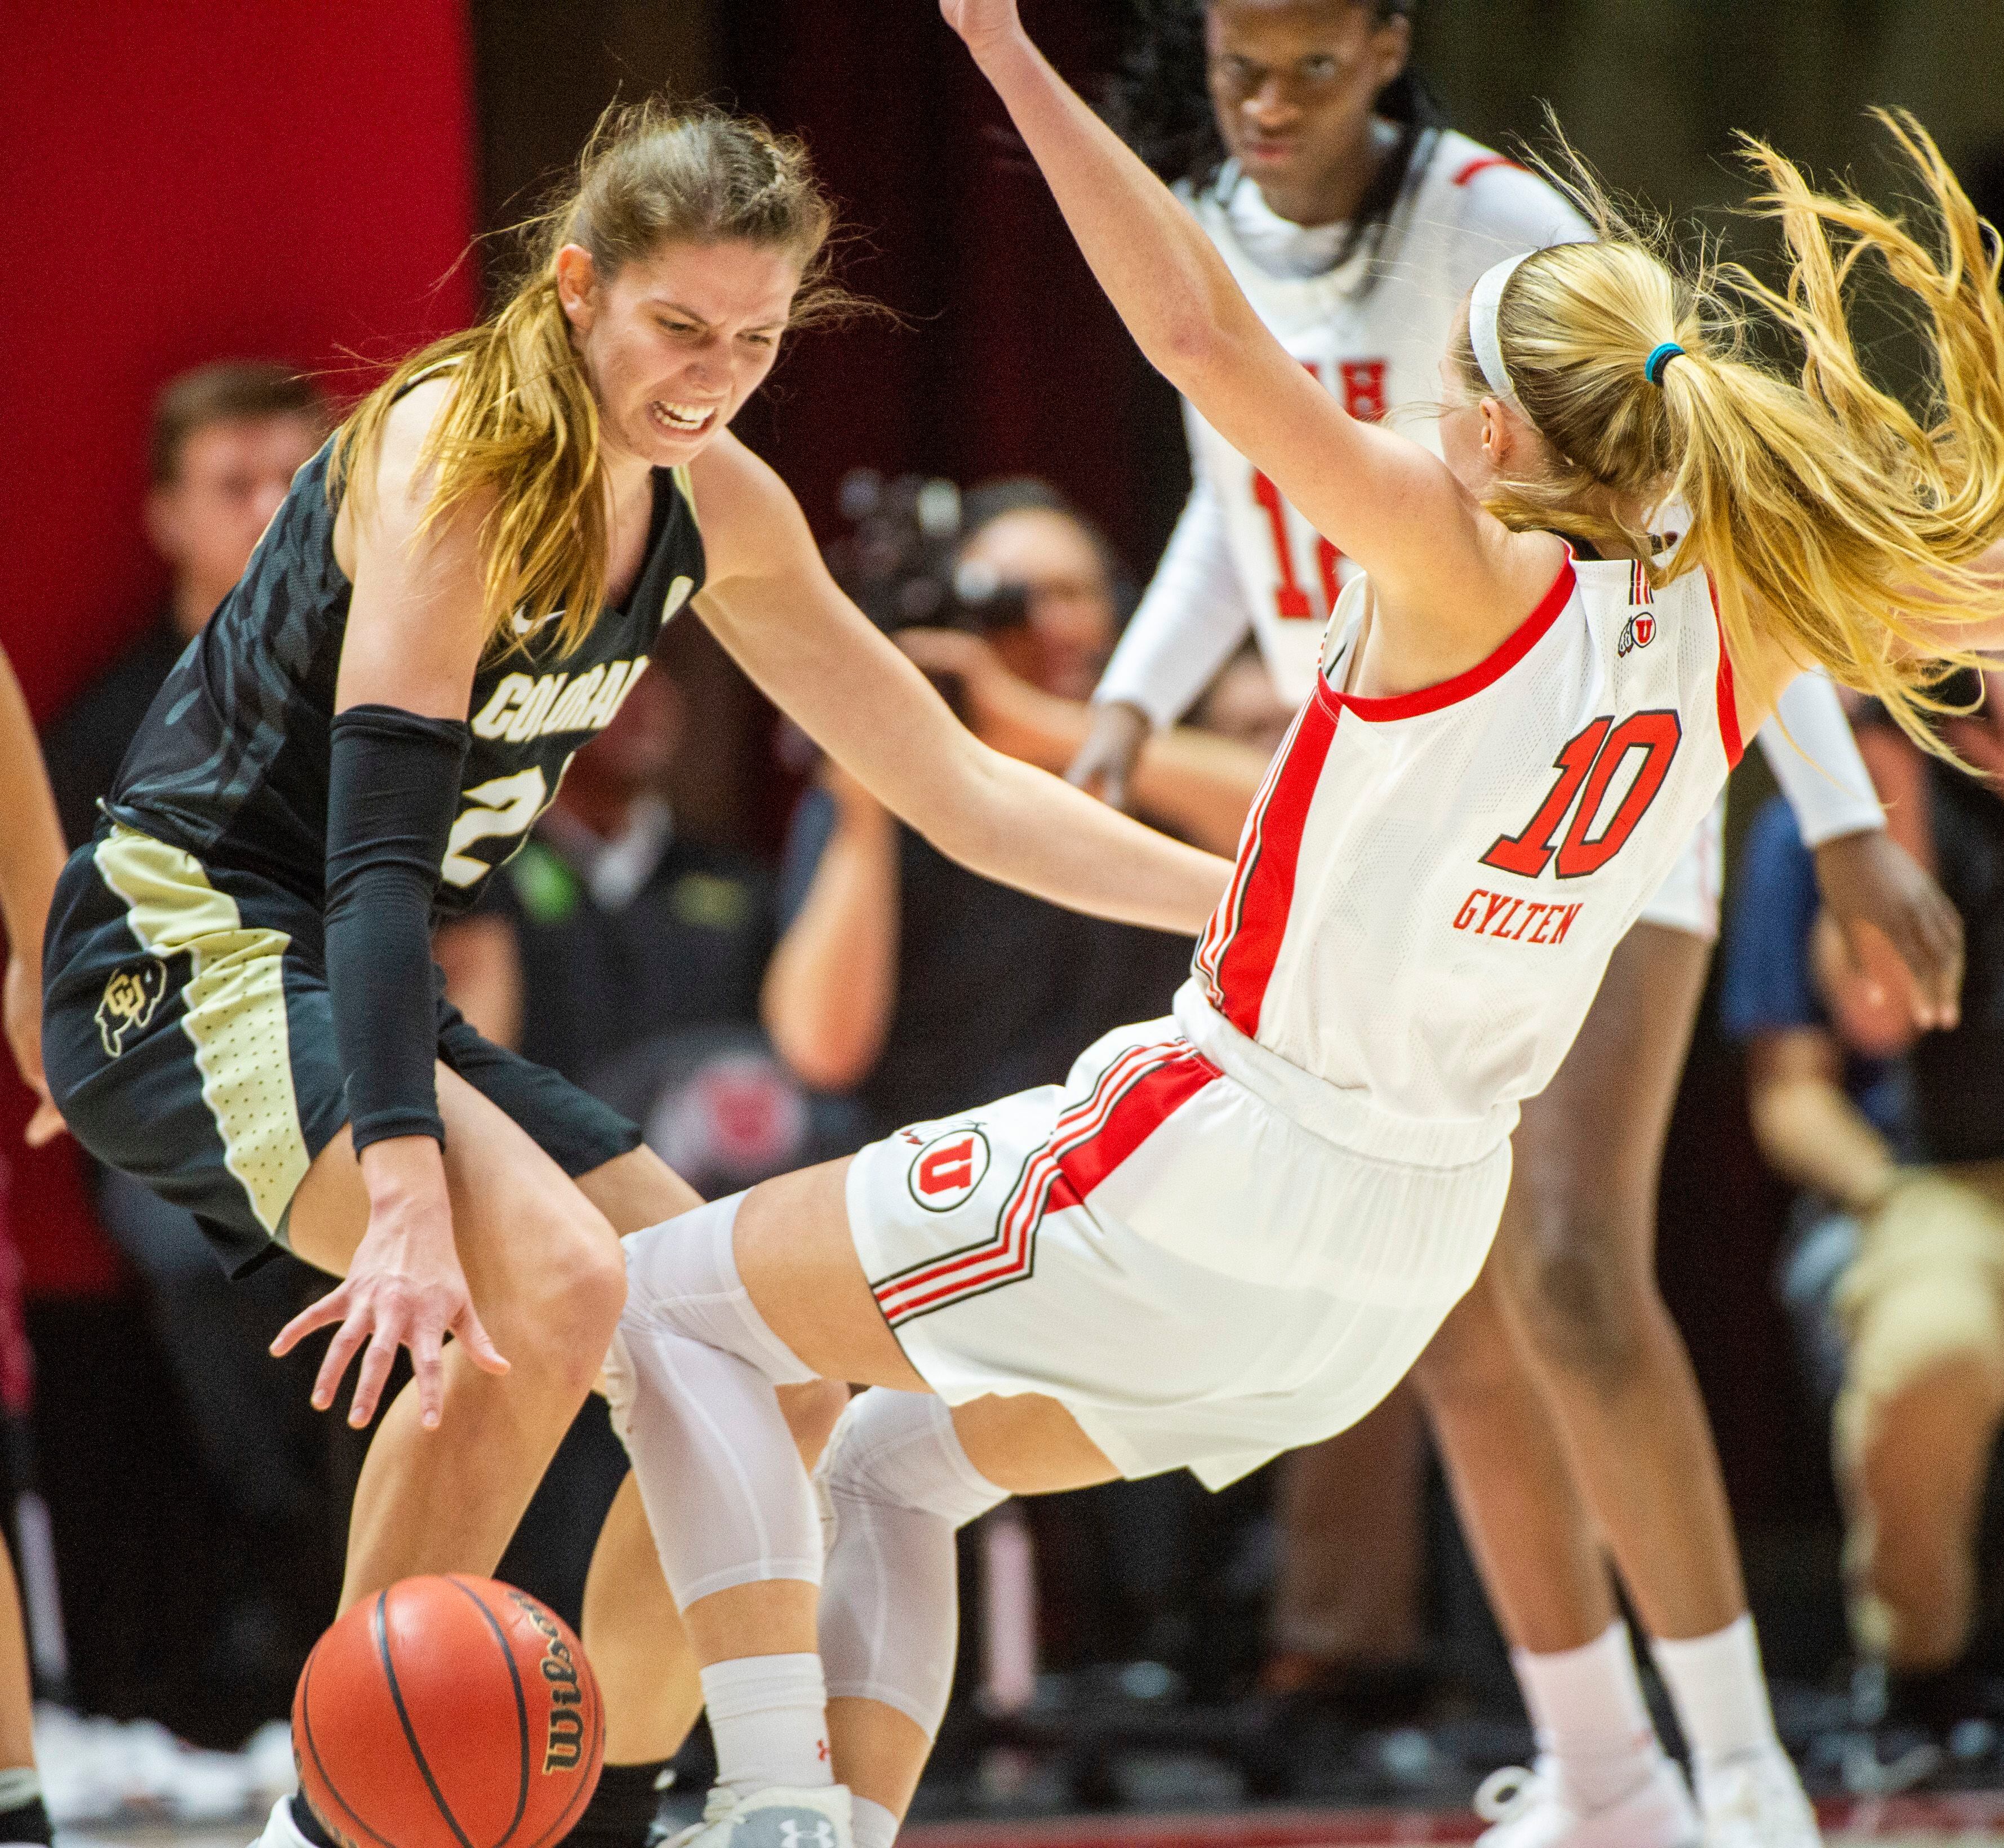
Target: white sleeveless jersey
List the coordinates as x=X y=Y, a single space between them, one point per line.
x=1373 y=332
x=1429 y=887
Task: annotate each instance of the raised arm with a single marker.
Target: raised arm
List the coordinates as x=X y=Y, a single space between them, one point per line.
x=1380 y=497
x=772 y=604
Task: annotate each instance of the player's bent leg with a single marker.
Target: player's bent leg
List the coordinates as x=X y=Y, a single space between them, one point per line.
x=544 y=1269
x=1601 y=1775
x=632 y=1633
x=903 y=1474
x=1577 y=1249
x=1533 y=1537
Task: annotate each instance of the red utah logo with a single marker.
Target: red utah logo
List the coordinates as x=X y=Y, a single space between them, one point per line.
x=949 y=1168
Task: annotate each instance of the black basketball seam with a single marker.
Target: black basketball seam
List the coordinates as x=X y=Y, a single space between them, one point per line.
x=596 y=1757
x=320 y=1763
x=521 y=1701
x=404 y=1718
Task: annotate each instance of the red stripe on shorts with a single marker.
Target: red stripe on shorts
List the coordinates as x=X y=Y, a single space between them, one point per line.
x=1134 y=1097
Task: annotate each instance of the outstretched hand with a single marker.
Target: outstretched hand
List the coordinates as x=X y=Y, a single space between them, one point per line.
x=404 y=1289
x=1871 y=884
x=981 y=22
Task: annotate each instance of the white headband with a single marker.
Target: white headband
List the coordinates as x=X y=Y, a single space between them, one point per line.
x=1484 y=300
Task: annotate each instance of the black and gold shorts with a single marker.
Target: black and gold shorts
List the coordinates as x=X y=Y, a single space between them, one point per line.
x=188 y=1037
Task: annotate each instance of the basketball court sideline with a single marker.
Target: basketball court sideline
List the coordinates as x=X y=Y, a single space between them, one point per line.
x=1963 y=1821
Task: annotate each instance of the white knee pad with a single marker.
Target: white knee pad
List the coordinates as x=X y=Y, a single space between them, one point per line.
x=898 y=1485
x=690 y=1380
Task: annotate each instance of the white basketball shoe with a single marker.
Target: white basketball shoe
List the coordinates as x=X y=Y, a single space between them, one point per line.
x=1530 y=1809
x=777 y=1817
x=1756 y=1800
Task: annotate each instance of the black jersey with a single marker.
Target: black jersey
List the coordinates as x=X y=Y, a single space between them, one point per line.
x=231 y=763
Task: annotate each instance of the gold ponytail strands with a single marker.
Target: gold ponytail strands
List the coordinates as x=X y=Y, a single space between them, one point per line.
x=1832 y=518
x=521 y=430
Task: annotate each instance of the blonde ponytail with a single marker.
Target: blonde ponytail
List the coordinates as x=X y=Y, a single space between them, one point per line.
x=521 y=426
x=1832 y=518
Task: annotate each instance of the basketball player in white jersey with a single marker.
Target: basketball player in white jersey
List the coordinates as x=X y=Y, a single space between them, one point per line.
x=1356 y=239
x=1233 y=1231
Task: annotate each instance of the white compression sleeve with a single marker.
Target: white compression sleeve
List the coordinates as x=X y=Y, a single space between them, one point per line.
x=1809 y=746
x=690 y=1379
x=898 y=1486
x=1193 y=617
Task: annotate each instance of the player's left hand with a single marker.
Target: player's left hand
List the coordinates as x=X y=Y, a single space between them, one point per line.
x=1872 y=884
x=22 y=1006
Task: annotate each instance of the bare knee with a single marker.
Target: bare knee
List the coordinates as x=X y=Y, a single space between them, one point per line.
x=1587 y=1302
x=1470 y=1360
x=562 y=1318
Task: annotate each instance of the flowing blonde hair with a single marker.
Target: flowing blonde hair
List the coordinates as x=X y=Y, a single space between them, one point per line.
x=1825 y=509
x=522 y=424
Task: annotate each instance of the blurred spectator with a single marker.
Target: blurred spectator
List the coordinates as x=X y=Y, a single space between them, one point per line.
x=903 y=978
x=1895 y=1275
x=226 y=440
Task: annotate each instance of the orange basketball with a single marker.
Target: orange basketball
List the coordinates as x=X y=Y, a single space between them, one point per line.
x=448 y=1713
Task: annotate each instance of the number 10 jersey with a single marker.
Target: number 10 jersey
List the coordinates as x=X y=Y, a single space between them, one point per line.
x=1429 y=886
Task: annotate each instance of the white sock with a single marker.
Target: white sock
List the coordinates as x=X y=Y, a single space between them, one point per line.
x=768 y=1719
x=1593 y=1727
x=874 y=1826
x=1720 y=1694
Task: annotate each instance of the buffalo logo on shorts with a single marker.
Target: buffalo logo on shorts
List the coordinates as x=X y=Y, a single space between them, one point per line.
x=949 y=1168
x=129 y=999
x=1638 y=632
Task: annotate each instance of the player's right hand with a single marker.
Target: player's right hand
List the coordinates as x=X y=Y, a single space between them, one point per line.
x=404 y=1288
x=1106 y=760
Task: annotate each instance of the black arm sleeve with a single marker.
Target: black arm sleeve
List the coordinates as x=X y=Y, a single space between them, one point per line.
x=393 y=789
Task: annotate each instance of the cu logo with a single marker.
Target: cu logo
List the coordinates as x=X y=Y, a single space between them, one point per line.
x=949 y=1168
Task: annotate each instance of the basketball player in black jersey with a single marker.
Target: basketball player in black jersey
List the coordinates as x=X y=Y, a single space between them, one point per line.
x=240 y=1007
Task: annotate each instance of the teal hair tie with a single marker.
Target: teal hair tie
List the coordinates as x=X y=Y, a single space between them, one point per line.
x=1652 y=367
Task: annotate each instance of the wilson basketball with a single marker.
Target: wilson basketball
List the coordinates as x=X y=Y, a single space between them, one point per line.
x=448 y=1713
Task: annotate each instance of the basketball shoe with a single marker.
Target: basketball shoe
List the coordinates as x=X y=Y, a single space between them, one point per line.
x=777 y=1817
x=1755 y=1800
x=1529 y=1809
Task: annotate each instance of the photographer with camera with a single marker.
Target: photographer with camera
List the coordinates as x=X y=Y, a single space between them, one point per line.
x=900 y=976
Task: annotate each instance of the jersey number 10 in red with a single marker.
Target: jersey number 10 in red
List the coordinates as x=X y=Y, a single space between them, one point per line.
x=1587 y=767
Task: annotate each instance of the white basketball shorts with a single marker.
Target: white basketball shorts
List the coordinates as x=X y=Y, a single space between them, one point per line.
x=1200 y=1279
x=1687 y=900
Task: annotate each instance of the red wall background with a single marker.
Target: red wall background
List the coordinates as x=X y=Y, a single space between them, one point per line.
x=209 y=180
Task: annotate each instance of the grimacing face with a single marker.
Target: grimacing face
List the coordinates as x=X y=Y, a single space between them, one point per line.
x=1293 y=83
x=675 y=341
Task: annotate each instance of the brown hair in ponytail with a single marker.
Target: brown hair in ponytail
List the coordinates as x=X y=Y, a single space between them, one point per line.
x=522 y=424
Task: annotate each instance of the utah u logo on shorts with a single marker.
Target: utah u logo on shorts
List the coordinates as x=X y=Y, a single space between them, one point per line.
x=949 y=1168
x=128 y=1001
